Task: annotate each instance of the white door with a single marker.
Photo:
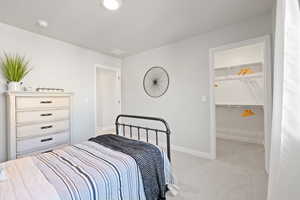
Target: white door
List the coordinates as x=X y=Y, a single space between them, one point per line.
x=108 y=94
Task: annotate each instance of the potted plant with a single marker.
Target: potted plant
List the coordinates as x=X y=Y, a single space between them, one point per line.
x=14 y=69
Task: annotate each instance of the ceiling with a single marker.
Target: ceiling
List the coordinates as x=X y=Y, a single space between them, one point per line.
x=138 y=26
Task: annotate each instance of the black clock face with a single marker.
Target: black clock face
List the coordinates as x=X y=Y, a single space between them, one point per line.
x=156 y=82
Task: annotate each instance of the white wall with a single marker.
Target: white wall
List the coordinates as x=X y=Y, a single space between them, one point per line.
x=284 y=178
x=106 y=98
x=230 y=124
x=240 y=56
x=59 y=65
x=187 y=63
x=99 y=102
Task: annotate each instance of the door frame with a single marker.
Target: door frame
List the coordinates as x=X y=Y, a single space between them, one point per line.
x=267 y=97
x=119 y=88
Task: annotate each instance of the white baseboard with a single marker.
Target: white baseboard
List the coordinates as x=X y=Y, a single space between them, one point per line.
x=192 y=152
x=239 y=138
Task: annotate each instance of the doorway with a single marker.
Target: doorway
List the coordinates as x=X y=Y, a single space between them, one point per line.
x=241 y=95
x=108 y=98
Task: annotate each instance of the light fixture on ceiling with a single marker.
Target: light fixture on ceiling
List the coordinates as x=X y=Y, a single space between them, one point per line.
x=42 y=23
x=112 y=4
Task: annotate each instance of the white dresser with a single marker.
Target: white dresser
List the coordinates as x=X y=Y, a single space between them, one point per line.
x=37 y=122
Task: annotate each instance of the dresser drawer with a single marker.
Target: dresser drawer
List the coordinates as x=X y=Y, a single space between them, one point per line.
x=43 y=128
x=41 y=116
x=41 y=102
x=44 y=150
x=40 y=143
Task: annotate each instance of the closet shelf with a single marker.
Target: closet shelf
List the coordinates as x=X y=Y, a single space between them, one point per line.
x=239 y=77
x=236 y=66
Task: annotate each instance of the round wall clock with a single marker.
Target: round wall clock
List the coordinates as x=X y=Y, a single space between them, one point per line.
x=156 y=82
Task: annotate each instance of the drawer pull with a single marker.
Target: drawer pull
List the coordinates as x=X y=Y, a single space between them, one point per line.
x=46 y=140
x=46 y=127
x=46 y=114
x=46 y=102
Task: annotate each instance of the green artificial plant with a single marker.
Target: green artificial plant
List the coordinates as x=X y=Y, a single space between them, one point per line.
x=14 y=67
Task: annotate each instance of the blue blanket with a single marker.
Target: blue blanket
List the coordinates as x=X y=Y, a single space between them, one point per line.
x=147 y=156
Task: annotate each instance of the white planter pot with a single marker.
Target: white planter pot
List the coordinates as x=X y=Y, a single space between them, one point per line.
x=14 y=86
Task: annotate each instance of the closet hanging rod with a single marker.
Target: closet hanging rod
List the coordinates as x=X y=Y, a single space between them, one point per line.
x=237 y=106
x=241 y=65
x=230 y=106
x=239 y=77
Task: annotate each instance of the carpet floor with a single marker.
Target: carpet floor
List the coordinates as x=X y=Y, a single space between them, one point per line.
x=237 y=173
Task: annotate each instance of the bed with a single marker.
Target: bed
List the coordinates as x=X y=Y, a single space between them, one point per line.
x=107 y=167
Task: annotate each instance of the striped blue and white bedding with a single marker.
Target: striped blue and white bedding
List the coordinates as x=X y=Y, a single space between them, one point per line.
x=90 y=171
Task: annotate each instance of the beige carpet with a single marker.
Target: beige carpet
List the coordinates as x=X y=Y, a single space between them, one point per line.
x=237 y=174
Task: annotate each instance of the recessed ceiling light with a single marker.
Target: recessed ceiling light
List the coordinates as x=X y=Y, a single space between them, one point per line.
x=112 y=4
x=42 y=23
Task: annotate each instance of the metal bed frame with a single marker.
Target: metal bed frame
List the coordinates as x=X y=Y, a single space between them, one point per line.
x=147 y=131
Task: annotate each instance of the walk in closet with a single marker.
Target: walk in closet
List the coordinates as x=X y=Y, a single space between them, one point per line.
x=242 y=99
x=239 y=93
